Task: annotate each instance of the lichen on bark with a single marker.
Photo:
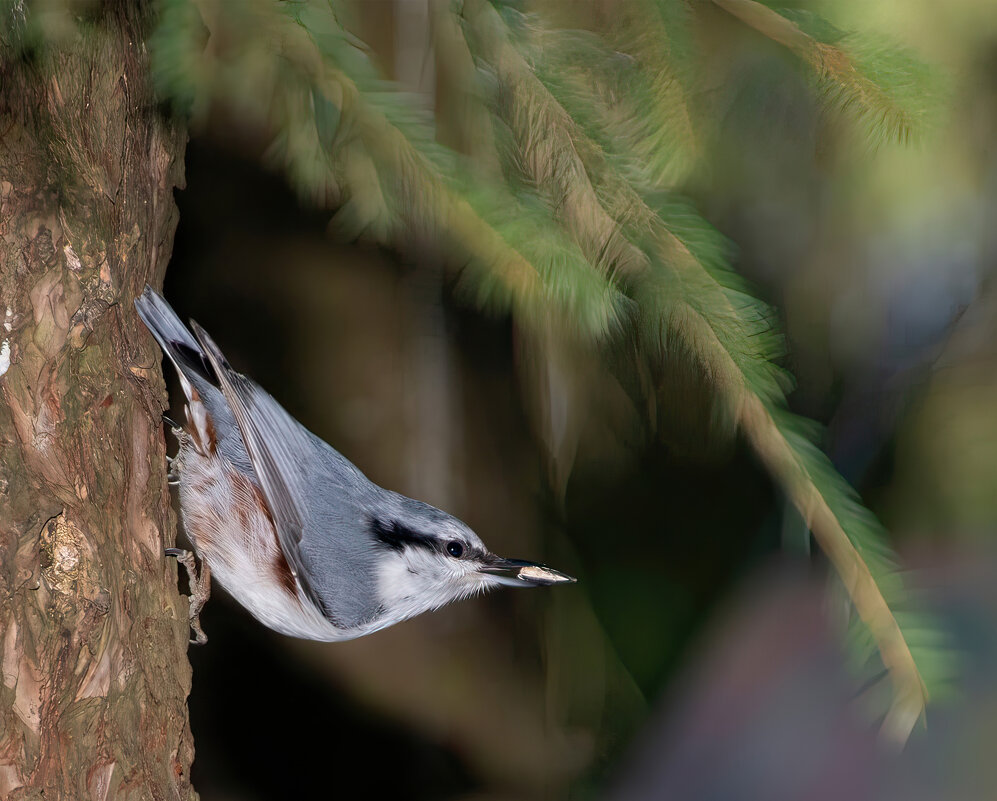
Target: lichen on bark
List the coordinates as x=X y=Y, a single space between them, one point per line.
x=93 y=634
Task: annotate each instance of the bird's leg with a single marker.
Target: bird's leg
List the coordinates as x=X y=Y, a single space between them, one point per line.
x=200 y=590
x=172 y=476
x=198 y=599
x=172 y=462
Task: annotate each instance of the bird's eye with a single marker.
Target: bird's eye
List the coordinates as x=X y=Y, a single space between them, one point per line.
x=455 y=549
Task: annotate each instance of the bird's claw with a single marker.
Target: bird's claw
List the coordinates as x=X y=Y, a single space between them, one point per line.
x=200 y=590
x=172 y=474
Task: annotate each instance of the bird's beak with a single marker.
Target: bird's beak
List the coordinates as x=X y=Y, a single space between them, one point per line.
x=517 y=573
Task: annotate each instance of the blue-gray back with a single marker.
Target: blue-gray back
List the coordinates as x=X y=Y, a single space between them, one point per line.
x=320 y=502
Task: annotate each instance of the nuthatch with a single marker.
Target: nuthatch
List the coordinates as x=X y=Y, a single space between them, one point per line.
x=297 y=534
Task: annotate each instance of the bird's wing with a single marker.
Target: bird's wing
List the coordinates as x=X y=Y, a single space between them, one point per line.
x=275 y=443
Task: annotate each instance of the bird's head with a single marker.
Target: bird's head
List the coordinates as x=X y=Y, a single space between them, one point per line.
x=428 y=558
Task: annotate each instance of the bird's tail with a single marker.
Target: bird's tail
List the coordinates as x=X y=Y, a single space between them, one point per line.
x=176 y=340
x=197 y=377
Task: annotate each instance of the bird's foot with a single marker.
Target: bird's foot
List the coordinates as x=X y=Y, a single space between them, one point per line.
x=172 y=470
x=200 y=590
x=175 y=428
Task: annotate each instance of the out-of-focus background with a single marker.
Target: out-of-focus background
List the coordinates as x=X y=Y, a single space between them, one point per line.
x=699 y=656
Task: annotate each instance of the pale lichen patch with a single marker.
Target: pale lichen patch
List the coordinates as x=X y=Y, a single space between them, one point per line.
x=66 y=549
x=8 y=667
x=48 y=303
x=72 y=259
x=10 y=779
x=61 y=543
x=96 y=681
x=99 y=780
x=28 y=694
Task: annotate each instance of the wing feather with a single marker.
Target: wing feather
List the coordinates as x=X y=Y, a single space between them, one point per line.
x=275 y=443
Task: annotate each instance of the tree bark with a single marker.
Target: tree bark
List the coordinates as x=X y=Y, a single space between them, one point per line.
x=93 y=633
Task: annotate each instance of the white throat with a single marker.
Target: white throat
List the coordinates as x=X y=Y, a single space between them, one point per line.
x=413 y=580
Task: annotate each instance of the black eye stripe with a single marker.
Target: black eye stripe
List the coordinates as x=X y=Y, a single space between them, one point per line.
x=397 y=536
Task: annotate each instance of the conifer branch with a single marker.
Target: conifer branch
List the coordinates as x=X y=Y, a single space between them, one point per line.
x=348 y=139
x=569 y=214
x=681 y=301
x=909 y=692
x=841 y=78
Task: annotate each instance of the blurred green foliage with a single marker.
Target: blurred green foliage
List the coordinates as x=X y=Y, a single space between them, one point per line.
x=561 y=202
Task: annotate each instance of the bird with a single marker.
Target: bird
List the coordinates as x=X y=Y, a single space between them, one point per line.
x=296 y=533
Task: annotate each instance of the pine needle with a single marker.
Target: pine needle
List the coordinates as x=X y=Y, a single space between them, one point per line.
x=692 y=306
x=347 y=138
x=877 y=85
x=572 y=225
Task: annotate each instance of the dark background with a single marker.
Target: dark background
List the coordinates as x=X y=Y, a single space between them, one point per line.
x=698 y=656
x=648 y=586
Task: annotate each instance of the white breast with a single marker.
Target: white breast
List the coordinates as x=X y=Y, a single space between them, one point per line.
x=226 y=518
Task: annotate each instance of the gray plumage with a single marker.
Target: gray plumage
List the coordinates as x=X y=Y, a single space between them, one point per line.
x=293 y=529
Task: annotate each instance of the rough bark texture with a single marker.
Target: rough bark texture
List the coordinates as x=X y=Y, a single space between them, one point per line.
x=93 y=634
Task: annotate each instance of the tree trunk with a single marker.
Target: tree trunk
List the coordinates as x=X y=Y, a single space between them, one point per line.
x=93 y=633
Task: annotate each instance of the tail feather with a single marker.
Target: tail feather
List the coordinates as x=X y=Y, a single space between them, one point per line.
x=174 y=337
x=197 y=376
